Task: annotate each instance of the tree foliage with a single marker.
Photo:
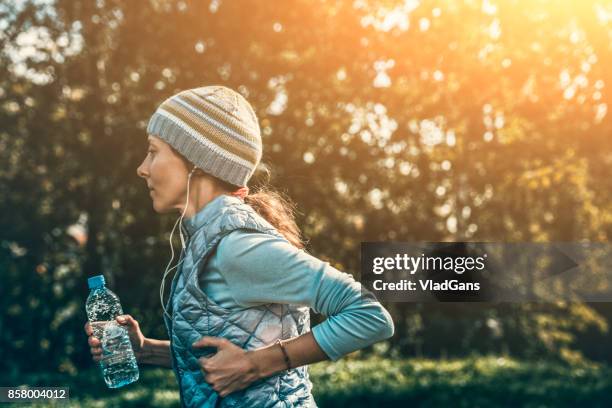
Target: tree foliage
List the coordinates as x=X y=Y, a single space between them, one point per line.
x=383 y=120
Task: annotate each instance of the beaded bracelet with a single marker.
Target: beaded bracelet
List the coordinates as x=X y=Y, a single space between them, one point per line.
x=287 y=360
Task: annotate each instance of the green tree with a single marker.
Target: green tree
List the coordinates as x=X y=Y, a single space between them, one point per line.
x=383 y=120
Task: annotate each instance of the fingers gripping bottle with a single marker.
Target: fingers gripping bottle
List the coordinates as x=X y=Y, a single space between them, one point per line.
x=118 y=363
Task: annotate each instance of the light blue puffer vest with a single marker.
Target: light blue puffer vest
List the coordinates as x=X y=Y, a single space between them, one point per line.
x=194 y=315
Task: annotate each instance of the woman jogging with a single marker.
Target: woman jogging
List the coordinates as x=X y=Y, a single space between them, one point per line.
x=238 y=309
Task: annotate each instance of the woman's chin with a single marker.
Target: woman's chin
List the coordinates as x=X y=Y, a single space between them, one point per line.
x=160 y=209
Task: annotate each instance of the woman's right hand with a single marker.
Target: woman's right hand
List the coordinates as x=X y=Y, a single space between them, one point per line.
x=136 y=337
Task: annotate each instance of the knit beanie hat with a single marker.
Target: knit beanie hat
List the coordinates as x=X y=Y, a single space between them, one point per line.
x=214 y=128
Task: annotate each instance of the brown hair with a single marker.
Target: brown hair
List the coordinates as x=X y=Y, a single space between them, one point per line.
x=273 y=206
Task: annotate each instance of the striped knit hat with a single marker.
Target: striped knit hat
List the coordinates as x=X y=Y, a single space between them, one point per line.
x=215 y=128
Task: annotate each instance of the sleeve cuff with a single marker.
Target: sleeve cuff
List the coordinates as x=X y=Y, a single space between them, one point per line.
x=319 y=335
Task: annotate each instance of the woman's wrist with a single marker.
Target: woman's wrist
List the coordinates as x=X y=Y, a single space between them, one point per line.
x=267 y=360
x=144 y=352
x=157 y=352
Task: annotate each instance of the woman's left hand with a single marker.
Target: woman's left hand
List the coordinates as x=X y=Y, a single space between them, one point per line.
x=229 y=369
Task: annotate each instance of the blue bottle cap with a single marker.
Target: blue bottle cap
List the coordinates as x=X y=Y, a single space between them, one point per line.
x=95 y=281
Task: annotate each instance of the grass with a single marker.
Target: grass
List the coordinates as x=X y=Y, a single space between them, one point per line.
x=375 y=382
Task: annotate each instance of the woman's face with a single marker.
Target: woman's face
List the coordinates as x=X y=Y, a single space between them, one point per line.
x=166 y=174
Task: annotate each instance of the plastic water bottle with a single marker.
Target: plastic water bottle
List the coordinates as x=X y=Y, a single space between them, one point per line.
x=118 y=363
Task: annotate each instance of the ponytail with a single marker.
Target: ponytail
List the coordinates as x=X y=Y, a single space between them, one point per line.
x=278 y=211
x=273 y=206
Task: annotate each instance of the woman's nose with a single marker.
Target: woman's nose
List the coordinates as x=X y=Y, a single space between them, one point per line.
x=140 y=171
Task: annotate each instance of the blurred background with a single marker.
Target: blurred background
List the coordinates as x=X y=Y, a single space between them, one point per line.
x=383 y=120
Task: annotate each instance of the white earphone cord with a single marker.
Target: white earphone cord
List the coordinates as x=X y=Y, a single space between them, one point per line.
x=167 y=271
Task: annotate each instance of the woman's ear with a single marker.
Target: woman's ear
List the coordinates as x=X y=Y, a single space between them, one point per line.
x=198 y=172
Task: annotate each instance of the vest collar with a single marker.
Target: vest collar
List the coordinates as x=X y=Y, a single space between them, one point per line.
x=208 y=212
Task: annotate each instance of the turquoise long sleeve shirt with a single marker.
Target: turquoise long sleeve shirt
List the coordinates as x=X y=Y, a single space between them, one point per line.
x=250 y=269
